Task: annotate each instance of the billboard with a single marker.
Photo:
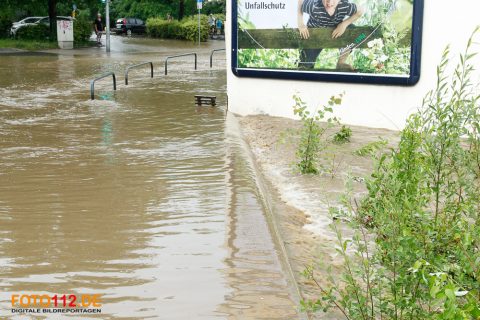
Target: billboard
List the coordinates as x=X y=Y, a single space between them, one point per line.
x=360 y=41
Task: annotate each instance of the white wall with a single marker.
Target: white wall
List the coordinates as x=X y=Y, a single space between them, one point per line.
x=445 y=22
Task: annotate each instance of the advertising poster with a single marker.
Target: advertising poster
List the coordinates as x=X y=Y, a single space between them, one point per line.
x=372 y=41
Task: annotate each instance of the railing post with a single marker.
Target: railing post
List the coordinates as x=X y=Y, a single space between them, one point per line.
x=137 y=65
x=211 y=56
x=180 y=55
x=92 y=83
x=92 y=90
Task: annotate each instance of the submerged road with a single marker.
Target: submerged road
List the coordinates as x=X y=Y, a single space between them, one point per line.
x=137 y=196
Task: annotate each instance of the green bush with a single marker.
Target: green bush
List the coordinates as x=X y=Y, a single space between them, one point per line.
x=312 y=134
x=82 y=27
x=215 y=7
x=159 y=28
x=220 y=16
x=343 y=135
x=186 y=29
x=416 y=234
x=5 y=24
x=33 y=32
x=190 y=30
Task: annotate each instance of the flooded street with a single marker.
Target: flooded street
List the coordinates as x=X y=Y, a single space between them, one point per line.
x=138 y=195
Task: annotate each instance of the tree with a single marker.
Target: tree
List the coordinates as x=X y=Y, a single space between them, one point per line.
x=181 y=9
x=52 y=13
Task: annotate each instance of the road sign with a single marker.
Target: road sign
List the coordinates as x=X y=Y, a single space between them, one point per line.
x=199 y=4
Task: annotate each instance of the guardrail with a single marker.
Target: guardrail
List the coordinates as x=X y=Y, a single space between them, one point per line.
x=211 y=55
x=180 y=55
x=92 y=83
x=137 y=65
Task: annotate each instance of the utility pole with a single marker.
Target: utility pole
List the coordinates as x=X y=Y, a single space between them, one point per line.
x=199 y=7
x=107 y=22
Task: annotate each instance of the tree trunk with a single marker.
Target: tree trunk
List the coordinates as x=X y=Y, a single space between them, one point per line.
x=181 y=9
x=52 y=13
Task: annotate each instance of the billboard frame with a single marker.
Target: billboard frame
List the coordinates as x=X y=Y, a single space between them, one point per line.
x=332 y=76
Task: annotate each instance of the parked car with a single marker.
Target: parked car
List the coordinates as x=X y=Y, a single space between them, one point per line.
x=46 y=20
x=32 y=21
x=25 y=22
x=129 y=26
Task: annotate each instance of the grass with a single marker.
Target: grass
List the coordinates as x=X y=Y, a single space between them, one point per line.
x=33 y=45
x=30 y=45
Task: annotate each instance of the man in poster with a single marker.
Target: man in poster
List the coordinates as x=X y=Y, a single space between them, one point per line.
x=338 y=14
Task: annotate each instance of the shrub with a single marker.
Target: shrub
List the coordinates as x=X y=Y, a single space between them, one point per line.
x=186 y=29
x=423 y=211
x=372 y=148
x=343 y=135
x=190 y=30
x=312 y=140
x=82 y=27
x=215 y=6
x=34 y=32
x=159 y=28
x=5 y=24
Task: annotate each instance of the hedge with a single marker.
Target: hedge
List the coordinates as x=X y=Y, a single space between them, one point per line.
x=186 y=29
x=5 y=25
x=33 y=32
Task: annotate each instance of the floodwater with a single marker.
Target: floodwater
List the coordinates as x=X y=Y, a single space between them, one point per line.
x=138 y=195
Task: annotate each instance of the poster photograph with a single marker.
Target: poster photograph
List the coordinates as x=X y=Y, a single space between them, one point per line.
x=365 y=41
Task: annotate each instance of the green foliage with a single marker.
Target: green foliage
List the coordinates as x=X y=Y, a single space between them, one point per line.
x=5 y=24
x=343 y=135
x=33 y=32
x=383 y=56
x=147 y=9
x=82 y=27
x=215 y=7
x=244 y=21
x=142 y=9
x=268 y=58
x=19 y=9
x=28 y=44
x=187 y=29
x=312 y=134
x=372 y=148
x=65 y=8
x=422 y=213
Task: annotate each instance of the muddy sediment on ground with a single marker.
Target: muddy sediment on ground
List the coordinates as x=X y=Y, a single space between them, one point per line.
x=301 y=203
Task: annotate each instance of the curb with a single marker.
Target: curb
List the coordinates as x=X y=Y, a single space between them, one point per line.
x=266 y=200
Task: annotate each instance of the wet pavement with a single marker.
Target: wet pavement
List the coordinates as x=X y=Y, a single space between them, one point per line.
x=138 y=195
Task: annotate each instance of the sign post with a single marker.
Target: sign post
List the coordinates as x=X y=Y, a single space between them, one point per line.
x=107 y=22
x=199 y=7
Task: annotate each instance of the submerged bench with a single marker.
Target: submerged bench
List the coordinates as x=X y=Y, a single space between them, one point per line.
x=205 y=100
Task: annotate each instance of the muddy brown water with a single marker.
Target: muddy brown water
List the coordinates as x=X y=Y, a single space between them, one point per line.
x=138 y=195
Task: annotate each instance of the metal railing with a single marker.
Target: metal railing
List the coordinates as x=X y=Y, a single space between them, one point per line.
x=211 y=56
x=92 y=83
x=180 y=55
x=137 y=65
